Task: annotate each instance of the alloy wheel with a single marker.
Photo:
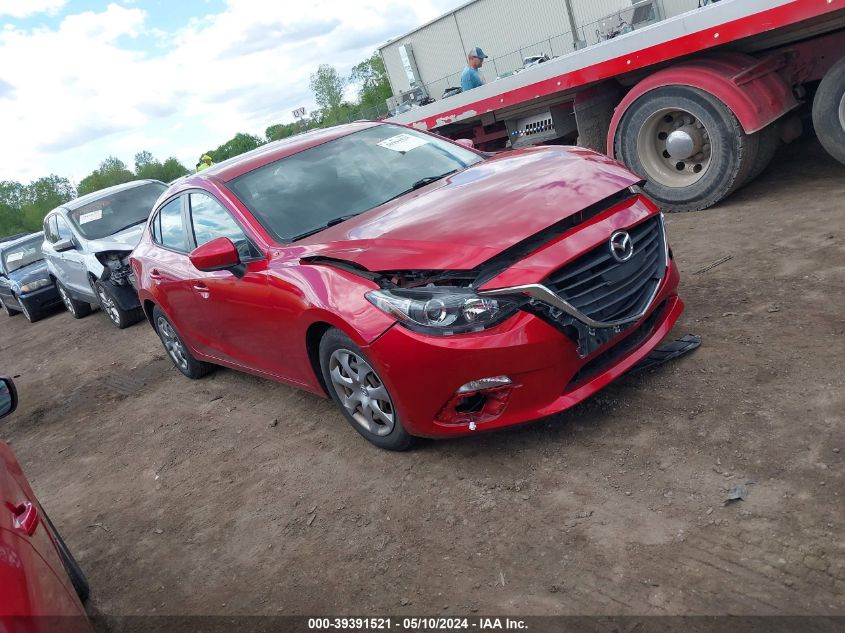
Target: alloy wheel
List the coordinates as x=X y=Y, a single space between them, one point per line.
x=361 y=392
x=674 y=148
x=172 y=343
x=108 y=304
x=66 y=300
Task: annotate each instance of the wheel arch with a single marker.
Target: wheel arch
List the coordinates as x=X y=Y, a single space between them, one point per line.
x=321 y=323
x=757 y=99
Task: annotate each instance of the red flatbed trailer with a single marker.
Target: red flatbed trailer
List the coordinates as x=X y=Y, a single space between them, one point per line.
x=696 y=104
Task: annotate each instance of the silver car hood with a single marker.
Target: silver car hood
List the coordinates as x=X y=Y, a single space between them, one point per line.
x=126 y=240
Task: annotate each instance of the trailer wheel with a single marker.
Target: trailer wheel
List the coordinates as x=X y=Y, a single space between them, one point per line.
x=769 y=142
x=687 y=144
x=829 y=111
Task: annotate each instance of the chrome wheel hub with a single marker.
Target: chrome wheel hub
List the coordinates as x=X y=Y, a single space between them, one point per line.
x=108 y=304
x=172 y=343
x=674 y=148
x=361 y=392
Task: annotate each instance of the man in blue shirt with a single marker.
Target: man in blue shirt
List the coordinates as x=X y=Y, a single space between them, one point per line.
x=470 y=77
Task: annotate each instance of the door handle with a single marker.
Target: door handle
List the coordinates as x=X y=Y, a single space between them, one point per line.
x=26 y=517
x=201 y=289
x=154 y=274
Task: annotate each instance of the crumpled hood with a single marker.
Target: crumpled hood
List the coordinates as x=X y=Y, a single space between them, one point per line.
x=36 y=270
x=465 y=219
x=126 y=240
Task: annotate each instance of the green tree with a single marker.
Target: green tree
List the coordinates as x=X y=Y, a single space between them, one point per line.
x=23 y=207
x=112 y=171
x=235 y=146
x=327 y=86
x=144 y=159
x=374 y=86
x=282 y=130
x=147 y=166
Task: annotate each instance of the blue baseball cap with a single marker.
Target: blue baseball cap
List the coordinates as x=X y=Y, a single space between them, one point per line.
x=476 y=52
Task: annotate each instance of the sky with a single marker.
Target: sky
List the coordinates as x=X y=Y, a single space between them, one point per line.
x=81 y=80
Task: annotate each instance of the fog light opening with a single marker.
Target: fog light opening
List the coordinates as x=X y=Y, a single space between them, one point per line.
x=476 y=402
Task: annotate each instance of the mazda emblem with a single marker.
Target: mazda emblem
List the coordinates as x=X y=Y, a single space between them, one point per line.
x=621 y=246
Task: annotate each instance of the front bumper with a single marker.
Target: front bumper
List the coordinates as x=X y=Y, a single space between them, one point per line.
x=41 y=299
x=424 y=372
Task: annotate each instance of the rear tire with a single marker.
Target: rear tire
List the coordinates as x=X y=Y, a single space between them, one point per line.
x=829 y=111
x=119 y=317
x=176 y=349
x=713 y=155
x=74 y=571
x=360 y=393
x=77 y=309
x=767 y=148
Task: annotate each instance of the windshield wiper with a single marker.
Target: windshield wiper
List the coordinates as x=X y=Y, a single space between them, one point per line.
x=422 y=182
x=129 y=226
x=332 y=222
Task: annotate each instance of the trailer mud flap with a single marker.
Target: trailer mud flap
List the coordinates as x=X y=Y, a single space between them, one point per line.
x=668 y=351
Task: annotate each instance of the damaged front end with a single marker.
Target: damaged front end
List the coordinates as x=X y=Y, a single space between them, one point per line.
x=116 y=269
x=118 y=274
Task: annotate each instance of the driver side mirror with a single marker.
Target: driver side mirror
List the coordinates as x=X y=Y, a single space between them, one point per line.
x=8 y=396
x=466 y=142
x=63 y=245
x=218 y=254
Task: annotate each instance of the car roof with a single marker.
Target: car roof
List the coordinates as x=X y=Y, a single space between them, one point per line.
x=102 y=193
x=271 y=152
x=7 y=245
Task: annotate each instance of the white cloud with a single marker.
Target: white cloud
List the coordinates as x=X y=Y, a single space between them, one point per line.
x=26 y=8
x=105 y=82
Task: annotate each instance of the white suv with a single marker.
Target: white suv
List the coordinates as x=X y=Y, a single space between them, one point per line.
x=87 y=242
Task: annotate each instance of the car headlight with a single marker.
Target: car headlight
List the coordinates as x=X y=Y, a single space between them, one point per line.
x=443 y=310
x=35 y=285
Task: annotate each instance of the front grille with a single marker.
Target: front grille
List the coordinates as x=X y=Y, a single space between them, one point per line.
x=606 y=290
x=625 y=346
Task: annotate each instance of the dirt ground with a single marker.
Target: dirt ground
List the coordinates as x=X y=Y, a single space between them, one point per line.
x=182 y=497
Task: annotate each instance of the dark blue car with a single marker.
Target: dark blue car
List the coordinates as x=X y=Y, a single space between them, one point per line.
x=25 y=282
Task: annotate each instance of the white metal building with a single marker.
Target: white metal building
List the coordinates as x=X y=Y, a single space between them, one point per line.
x=508 y=31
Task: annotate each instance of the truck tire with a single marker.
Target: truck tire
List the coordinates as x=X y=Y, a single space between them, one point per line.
x=769 y=142
x=829 y=111
x=711 y=155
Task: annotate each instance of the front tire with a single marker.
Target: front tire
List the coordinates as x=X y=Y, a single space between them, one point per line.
x=829 y=111
x=31 y=315
x=77 y=309
x=10 y=312
x=176 y=349
x=687 y=144
x=119 y=317
x=360 y=393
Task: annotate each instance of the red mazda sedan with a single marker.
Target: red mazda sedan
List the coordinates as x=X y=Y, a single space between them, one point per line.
x=429 y=289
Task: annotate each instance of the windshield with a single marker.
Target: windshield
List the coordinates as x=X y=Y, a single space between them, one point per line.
x=23 y=254
x=307 y=191
x=114 y=212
